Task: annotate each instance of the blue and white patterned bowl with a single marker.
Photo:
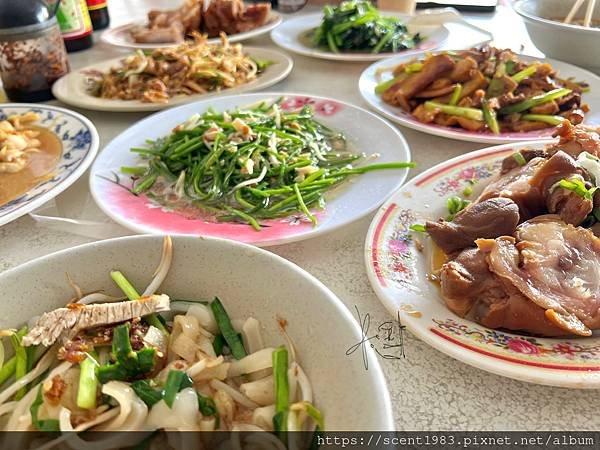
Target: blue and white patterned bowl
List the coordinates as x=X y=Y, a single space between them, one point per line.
x=79 y=147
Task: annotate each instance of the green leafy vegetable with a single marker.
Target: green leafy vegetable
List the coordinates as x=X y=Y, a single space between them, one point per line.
x=358 y=25
x=241 y=165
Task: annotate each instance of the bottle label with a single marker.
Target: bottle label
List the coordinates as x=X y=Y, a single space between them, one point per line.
x=74 y=19
x=96 y=4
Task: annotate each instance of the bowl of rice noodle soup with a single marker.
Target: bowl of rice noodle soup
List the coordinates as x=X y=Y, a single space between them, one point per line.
x=160 y=335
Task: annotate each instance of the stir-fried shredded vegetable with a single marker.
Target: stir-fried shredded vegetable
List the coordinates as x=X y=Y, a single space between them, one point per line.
x=193 y=67
x=248 y=164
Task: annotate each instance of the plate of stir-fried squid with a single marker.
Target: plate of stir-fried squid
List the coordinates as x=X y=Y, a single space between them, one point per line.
x=483 y=94
x=238 y=20
x=157 y=79
x=493 y=258
x=150 y=342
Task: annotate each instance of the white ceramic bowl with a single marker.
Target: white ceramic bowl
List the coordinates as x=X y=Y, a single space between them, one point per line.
x=571 y=43
x=249 y=281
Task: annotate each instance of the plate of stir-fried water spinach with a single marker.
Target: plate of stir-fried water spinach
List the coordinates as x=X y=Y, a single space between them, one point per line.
x=356 y=31
x=259 y=168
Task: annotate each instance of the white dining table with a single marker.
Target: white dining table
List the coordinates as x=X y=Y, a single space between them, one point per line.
x=429 y=390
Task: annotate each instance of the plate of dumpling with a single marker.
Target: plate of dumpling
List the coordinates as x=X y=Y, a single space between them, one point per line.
x=493 y=258
x=166 y=28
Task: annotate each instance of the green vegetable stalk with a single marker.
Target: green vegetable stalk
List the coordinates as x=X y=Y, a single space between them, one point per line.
x=549 y=119
x=535 y=101
x=282 y=390
x=132 y=294
x=234 y=342
x=490 y=117
x=88 y=383
x=468 y=113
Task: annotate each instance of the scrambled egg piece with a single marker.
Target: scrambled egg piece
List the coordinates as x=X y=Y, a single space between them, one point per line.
x=16 y=143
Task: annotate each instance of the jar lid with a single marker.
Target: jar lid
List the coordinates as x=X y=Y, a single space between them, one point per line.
x=22 y=13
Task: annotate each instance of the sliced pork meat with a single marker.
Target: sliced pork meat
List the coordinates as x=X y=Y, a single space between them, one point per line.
x=71 y=320
x=571 y=207
x=515 y=186
x=533 y=187
x=575 y=139
x=527 y=154
x=469 y=288
x=556 y=266
x=232 y=16
x=487 y=219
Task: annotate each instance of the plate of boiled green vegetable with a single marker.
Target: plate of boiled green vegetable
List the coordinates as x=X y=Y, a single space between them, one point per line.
x=265 y=168
x=356 y=31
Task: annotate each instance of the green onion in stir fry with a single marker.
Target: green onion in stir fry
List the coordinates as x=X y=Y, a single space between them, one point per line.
x=249 y=165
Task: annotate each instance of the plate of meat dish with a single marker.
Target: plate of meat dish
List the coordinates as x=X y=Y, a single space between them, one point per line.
x=238 y=20
x=494 y=258
x=43 y=150
x=165 y=77
x=482 y=95
x=266 y=168
x=356 y=31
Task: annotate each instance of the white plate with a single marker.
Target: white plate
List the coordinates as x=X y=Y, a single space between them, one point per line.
x=205 y=268
x=368 y=80
x=120 y=36
x=72 y=88
x=357 y=198
x=398 y=273
x=291 y=36
x=79 y=140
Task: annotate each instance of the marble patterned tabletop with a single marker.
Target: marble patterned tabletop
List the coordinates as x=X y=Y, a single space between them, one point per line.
x=429 y=390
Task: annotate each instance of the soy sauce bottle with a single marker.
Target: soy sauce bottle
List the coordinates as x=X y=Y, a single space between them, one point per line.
x=75 y=24
x=98 y=13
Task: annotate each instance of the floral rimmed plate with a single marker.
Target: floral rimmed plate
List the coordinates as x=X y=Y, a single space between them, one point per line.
x=73 y=88
x=79 y=140
x=121 y=36
x=293 y=35
x=371 y=78
x=357 y=197
x=398 y=270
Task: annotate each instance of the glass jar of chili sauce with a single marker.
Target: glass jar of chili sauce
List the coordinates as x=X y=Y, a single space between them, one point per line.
x=32 y=52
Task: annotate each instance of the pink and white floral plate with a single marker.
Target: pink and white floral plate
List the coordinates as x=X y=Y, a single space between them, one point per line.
x=359 y=196
x=372 y=76
x=398 y=271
